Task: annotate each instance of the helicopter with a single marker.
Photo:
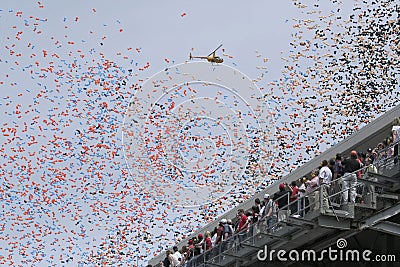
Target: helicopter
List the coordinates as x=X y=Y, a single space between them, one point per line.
x=211 y=57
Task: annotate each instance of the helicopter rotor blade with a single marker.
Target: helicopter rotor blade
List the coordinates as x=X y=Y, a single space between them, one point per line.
x=215 y=50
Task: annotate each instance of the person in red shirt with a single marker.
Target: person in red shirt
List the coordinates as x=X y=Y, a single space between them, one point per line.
x=243 y=226
x=190 y=250
x=207 y=241
x=198 y=245
x=208 y=245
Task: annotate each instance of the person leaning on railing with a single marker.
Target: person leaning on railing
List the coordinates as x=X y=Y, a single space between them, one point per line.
x=268 y=214
x=311 y=190
x=207 y=245
x=283 y=197
x=371 y=168
x=177 y=257
x=243 y=226
x=349 y=178
x=389 y=152
x=227 y=235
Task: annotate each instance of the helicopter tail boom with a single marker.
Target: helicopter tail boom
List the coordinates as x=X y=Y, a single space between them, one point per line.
x=192 y=57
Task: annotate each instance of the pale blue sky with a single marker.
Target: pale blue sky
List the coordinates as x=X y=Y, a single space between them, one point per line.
x=52 y=54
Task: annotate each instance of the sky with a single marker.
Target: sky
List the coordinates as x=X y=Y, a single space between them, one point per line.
x=73 y=72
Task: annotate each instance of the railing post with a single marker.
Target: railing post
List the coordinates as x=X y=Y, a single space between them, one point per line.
x=321 y=197
x=288 y=207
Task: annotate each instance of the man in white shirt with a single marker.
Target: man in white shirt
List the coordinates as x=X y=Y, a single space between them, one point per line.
x=325 y=178
x=177 y=257
x=302 y=196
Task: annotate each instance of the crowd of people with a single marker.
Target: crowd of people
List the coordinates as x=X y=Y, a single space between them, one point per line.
x=340 y=174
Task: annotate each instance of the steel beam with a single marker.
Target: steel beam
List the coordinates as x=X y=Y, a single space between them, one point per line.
x=330 y=222
x=383 y=177
x=386 y=186
x=379 y=217
x=387 y=227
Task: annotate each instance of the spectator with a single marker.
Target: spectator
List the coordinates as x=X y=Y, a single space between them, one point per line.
x=231 y=225
x=228 y=235
x=370 y=166
x=220 y=232
x=361 y=161
x=249 y=222
x=380 y=157
x=198 y=245
x=375 y=156
x=177 y=257
x=208 y=245
x=380 y=146
x=338 y=172
x=293 y=197
x=269 y=212
x=370 y=188
x=325 y=178
x=331 y=165
x=214 y=236
x=207 y=241
x=219 y=238
x=190 y=249
x=259 y=205
x=389 y=153
x=349 y=179
x=185 y=252
x=311 y=190
x=338 y=168
x=396 y=138
x=361 y=157
x=263 y=207
x=255 y=214
x=168 y=261
x=302 y=203
x=369 y=155
x=282 y=197
x=242 y=227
